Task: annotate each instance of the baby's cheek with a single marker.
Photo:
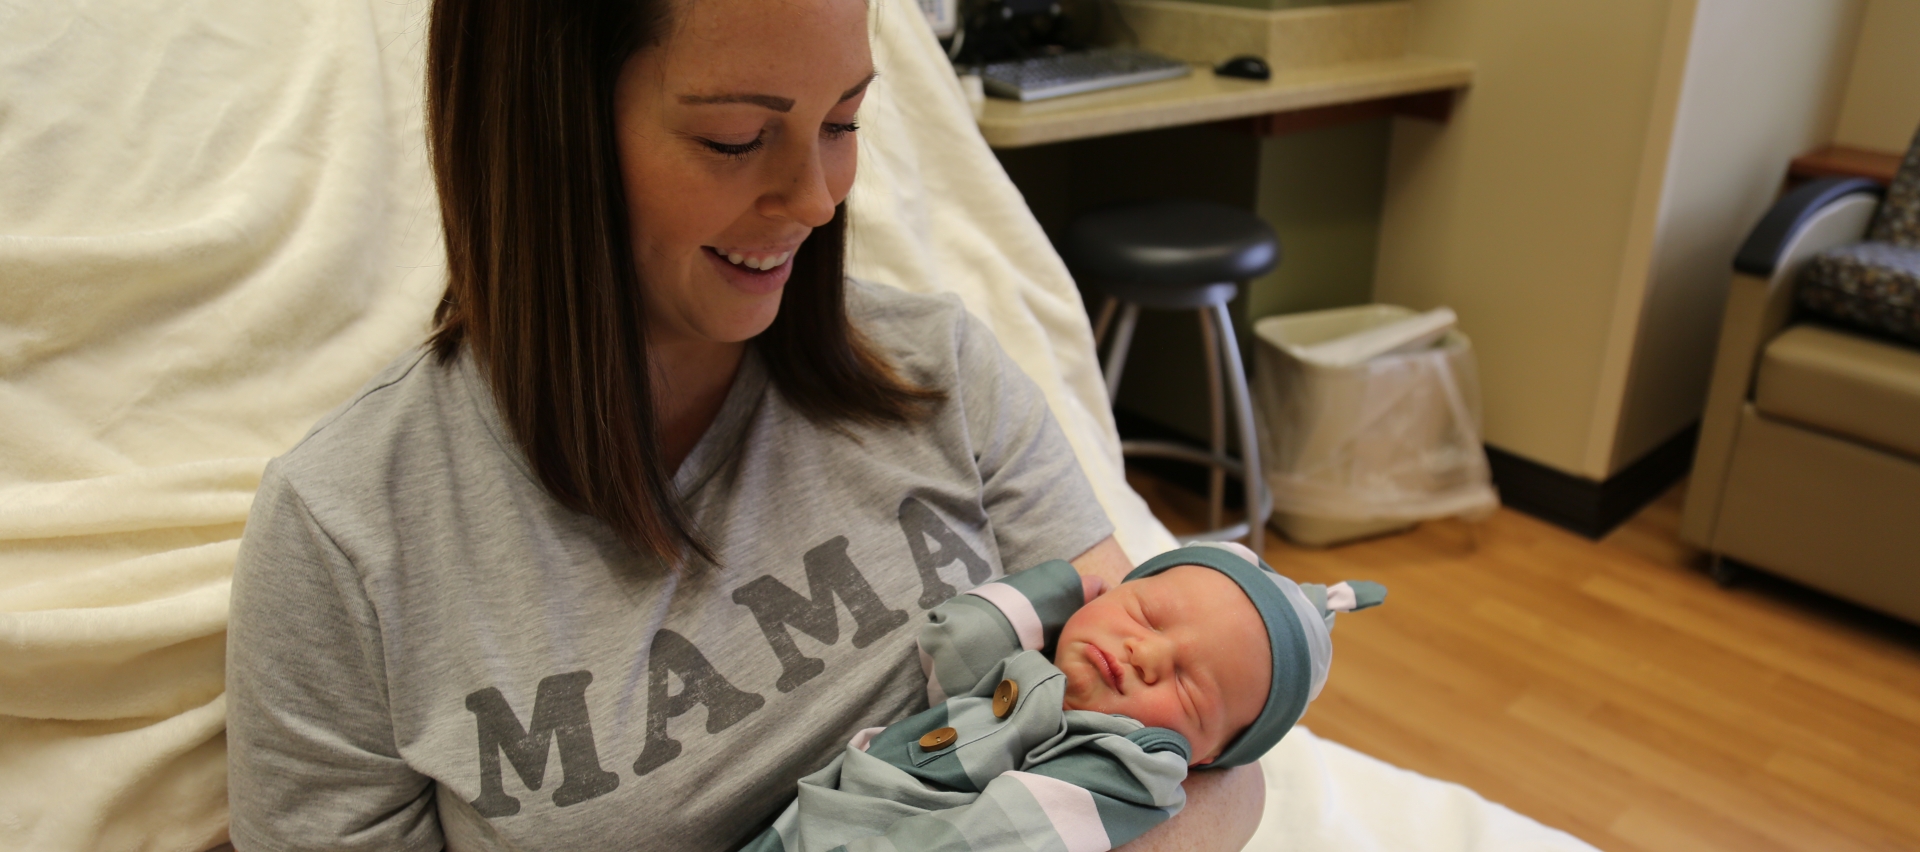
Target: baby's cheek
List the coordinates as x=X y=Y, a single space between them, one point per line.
x=1158 y=714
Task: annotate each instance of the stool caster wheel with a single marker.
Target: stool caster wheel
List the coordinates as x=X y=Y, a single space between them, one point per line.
x=1724 y=572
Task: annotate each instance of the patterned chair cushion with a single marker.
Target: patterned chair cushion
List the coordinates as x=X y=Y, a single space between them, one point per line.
x=1873 y=286
x=1898 y=221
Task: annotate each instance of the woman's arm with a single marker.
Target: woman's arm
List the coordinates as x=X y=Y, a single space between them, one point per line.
x=1223 y=809
x=311 y=754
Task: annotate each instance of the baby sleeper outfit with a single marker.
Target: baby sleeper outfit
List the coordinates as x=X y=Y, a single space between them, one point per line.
x=996 y=762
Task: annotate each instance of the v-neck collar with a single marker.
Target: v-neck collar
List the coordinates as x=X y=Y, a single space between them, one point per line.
x=722 y=437
x=729 y=426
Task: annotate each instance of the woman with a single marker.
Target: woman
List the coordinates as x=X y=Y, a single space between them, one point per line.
x=635 y=541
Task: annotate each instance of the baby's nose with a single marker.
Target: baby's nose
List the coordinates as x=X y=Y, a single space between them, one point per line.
x=1150 y=656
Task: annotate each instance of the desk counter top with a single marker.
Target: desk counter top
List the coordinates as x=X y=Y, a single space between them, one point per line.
x=1201 y=97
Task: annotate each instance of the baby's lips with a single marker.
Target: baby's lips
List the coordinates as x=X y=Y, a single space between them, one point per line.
x=1104 y=663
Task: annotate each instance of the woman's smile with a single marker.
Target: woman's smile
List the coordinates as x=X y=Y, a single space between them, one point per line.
x=756 y=274
x=752 y=259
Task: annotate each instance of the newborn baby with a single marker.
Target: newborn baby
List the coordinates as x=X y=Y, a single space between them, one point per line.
x=1203 y=657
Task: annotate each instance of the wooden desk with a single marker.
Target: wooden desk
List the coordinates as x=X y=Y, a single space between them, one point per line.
x=1840 y=161
x=1308 y=96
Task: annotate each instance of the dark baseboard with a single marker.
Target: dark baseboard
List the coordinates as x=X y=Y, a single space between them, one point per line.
x=1582 y=505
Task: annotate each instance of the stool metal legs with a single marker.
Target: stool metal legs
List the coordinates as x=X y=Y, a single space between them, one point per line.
x=1122 y=340
x=1252 y=475
x=1216 y=329
x=1217 y=420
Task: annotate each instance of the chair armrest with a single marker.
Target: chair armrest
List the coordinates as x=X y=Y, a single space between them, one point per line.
x=1768 y=242
x=1809 y=220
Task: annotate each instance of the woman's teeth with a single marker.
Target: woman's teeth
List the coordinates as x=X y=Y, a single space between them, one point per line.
x=760 y=263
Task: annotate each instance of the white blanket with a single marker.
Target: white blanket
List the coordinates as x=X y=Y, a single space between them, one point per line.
x=216 y=221
x=932 y=210
x=1325 y=797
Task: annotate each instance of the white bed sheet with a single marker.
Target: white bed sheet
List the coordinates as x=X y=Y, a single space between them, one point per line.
x=216 y=221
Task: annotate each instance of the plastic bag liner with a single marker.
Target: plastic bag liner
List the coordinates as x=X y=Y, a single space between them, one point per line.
x=1370 y=418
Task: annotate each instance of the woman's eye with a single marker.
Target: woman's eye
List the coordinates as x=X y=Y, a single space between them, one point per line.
x=735 y=151
x=835 y=131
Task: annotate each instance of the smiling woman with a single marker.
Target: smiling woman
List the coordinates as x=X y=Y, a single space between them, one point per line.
x=656 y=452
x=736 y=141
x=726 y=188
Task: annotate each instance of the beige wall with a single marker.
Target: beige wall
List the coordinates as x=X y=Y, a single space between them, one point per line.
x=1882 y=104
x=1582 y=208
x=1516 y=212
x=1320 y=190
x=1763 y=83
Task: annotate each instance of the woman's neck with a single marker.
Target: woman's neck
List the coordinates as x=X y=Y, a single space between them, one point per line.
x=690 y=383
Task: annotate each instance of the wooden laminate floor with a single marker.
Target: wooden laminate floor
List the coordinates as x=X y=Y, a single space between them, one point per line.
x=1610 y=689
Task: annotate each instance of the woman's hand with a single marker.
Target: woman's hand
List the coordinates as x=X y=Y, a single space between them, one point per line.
x=1104 y=560
x=1092 y=587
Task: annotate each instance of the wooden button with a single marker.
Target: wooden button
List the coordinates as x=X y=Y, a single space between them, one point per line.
x=1004 y=697
x=938 y=739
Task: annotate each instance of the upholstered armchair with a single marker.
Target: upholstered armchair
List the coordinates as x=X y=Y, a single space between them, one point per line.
x=1808 y=464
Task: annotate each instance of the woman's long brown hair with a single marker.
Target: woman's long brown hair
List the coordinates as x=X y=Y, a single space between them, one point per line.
x=542 y=286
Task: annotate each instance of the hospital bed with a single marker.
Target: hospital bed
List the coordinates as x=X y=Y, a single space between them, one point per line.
x=216 y=221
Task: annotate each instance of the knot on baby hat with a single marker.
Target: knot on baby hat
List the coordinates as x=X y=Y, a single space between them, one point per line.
x=1298 y=618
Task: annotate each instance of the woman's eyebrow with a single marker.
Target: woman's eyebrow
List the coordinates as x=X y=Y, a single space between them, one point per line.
x=772 y=102
x=858 y=87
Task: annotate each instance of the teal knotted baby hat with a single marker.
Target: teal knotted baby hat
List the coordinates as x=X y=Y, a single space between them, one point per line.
x=1299 y=618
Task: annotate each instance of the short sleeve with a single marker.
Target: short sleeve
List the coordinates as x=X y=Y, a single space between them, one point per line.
x=311 y=757
x=1040 y=502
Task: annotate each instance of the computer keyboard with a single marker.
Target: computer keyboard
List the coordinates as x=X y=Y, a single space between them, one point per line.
x=1073 y=73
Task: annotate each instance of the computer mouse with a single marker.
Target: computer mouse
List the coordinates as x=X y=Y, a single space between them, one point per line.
x=1245 y=67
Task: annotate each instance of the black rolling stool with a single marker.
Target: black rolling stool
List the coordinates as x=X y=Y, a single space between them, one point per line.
x=1183 y=255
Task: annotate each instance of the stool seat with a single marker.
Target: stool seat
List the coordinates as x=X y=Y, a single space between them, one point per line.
x=1156 y=253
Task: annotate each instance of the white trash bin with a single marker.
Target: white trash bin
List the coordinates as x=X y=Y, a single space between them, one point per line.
x=1370 y=422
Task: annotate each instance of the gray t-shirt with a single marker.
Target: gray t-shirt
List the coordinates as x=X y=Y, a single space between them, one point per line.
x=414 y=619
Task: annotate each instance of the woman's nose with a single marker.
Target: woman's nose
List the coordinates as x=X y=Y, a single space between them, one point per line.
x=800 y=191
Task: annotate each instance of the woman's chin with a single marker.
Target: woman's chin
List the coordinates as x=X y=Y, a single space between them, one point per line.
x=737 y=318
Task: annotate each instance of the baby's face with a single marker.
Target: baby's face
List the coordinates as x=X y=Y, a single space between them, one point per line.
x=1184 y=649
